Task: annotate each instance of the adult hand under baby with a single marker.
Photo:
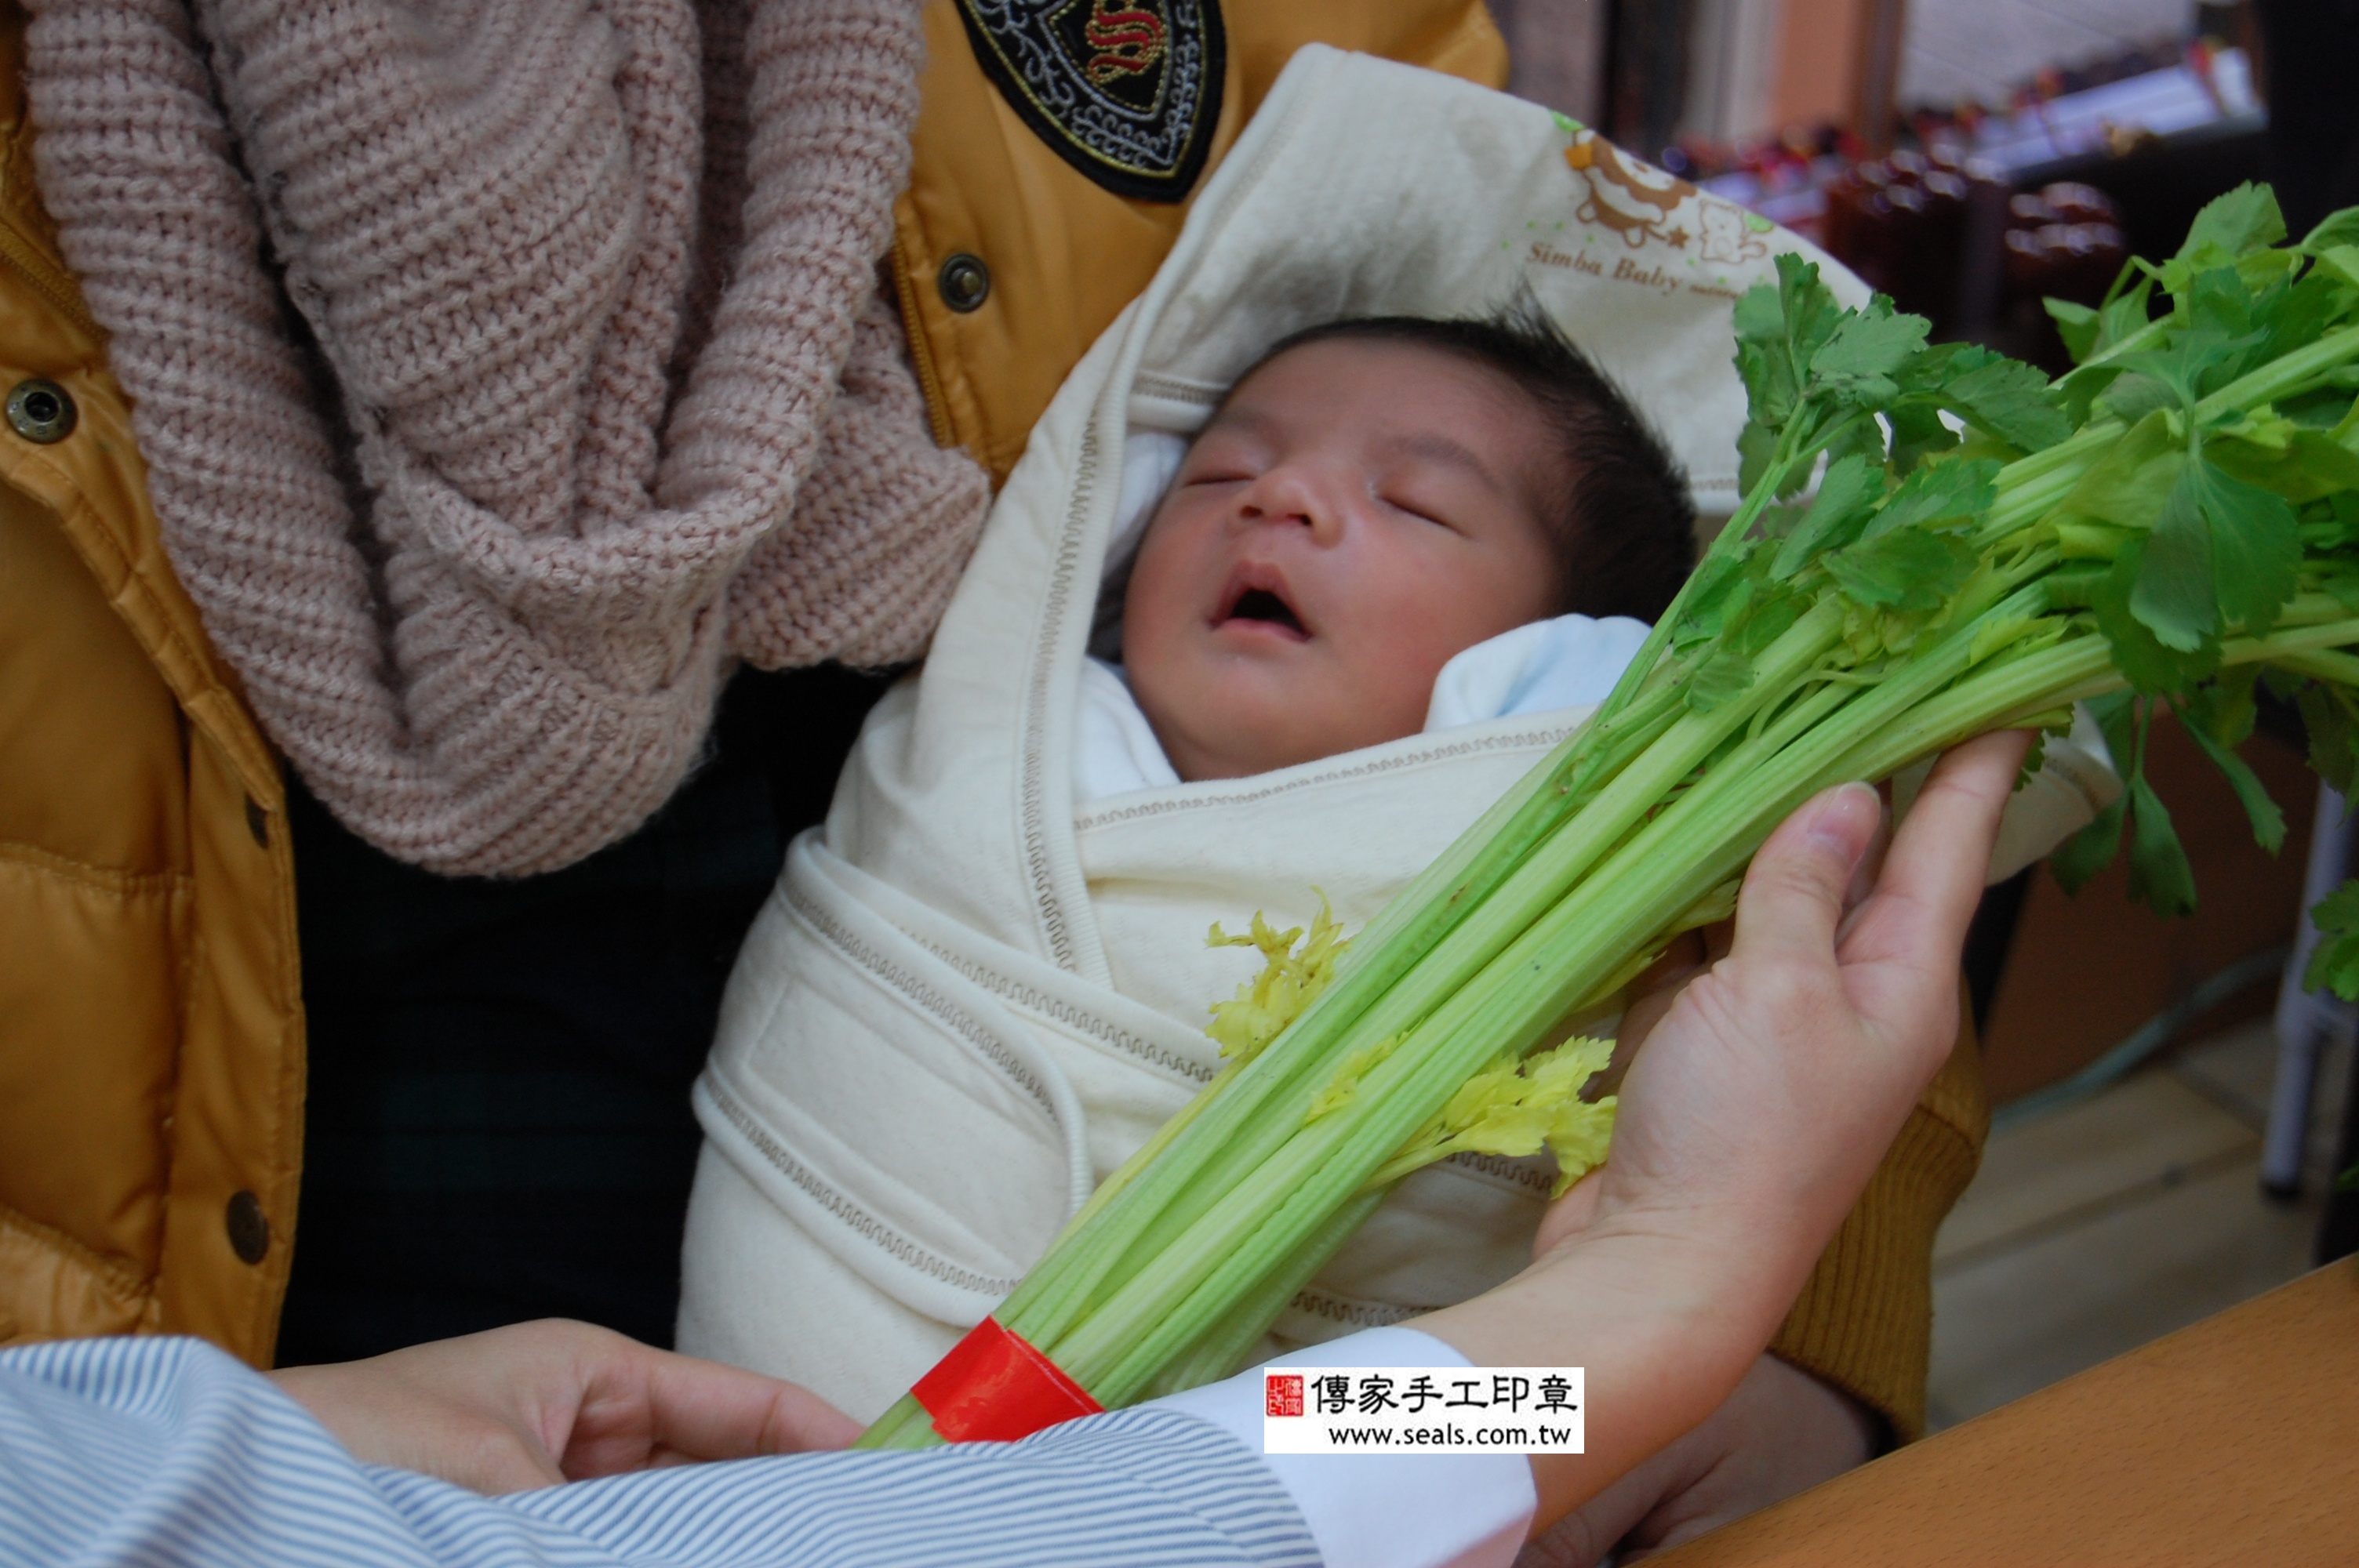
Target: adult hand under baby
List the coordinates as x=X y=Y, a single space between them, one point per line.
x=1782 y=1432
x=1751 y=1120
x=536 y=1403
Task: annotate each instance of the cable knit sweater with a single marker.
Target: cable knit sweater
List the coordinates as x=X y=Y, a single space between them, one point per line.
x=585 y=389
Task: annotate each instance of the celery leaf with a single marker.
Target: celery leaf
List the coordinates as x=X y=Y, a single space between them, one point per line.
x=2334 y=966
x=2332 y=753
x=1857 y=362
x=2300 y=313
x=1909 y=569
x=1935 y=494
x=2222 y=553
x=2128 y=485
x=2256 y=546
x=1721 y=680
x=1762 y=361
x=2012 y=401
x=2090 y=850
x=2335 y=229
x=1808 y=306
x=2311 y=466
x=1917 y=433
x=2134 y=396
x=2159 y=875
x=2143 y=659
x=1851 y=487
x=2268 y=820
x=1720 y=592
x=2077 y=325
x=2233 y=225
x=2175 y=598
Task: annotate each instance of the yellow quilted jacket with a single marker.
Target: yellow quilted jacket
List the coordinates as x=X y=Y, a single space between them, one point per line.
x=152 y=1022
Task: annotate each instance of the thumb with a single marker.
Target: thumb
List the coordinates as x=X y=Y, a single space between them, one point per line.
x=1793 y=896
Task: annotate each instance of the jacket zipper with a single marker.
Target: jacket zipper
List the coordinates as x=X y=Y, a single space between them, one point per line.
x=52 y=282
x=921 y=349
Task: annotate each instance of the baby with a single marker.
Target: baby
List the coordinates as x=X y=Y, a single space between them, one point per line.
x=1373 y=498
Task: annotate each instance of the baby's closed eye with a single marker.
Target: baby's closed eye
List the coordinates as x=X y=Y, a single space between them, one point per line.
x=1424 y=511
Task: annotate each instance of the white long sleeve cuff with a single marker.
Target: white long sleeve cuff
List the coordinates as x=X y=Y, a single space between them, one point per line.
x=1391 y=1510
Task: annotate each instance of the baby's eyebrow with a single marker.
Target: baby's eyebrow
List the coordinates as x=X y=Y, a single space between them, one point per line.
x=1434 y=447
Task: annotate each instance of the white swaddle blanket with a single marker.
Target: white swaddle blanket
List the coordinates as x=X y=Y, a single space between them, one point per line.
x=980 y=987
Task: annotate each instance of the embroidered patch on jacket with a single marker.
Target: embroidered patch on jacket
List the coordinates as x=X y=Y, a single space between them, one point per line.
x=1125 y=90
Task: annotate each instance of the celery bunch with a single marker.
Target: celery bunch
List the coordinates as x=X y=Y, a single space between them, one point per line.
x=2174 y=522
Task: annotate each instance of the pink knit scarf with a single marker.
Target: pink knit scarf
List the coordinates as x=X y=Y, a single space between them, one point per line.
x=614 y=399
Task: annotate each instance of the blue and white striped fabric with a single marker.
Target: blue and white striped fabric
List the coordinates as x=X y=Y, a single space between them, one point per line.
x=166 y=1451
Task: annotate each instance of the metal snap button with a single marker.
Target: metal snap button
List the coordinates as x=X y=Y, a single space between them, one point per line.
x=966 y=282
x=249 y=1232
x=41 y=411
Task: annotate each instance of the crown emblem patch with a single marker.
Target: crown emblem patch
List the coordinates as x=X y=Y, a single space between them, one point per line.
x=1125 y=90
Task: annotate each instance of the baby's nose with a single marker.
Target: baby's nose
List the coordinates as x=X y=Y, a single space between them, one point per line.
x=1292 y=495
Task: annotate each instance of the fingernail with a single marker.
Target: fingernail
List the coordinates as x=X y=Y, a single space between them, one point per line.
x=1848 y=817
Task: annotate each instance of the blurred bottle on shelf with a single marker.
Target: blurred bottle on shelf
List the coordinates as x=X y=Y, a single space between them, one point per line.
x=1904 y=224
x=2064 y=240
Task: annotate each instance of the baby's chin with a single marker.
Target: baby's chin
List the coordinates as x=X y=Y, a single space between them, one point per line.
x=1209 y=735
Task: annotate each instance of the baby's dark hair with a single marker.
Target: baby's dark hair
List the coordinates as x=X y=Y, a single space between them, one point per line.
x=1624 y=535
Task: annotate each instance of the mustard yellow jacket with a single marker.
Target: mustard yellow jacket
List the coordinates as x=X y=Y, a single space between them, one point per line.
x=151 y=1025
x=151 y=1020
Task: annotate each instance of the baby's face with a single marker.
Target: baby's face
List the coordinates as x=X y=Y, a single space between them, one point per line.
x=1358 y=512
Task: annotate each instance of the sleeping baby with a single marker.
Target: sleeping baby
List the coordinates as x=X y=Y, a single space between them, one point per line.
x=1374 y=498
x=1395 y=565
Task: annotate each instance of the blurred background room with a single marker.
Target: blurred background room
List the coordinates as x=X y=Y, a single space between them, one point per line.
x=2169 y=1109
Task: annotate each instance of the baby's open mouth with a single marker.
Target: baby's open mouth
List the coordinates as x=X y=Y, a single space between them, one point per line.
x=1256 y=597
x=1260 y=605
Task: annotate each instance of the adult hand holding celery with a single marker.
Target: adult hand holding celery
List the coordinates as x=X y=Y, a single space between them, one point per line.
x=2174 y=522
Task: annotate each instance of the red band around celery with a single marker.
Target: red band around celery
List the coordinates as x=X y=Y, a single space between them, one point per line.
x=993 y=1388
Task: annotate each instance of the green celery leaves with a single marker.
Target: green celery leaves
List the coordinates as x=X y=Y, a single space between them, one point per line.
x=2233 y=226
x=1850 y=489
x=2223 y=554
x=1857 y=362
x=2161 y=877
x=2012 y=401
x=1910 y=570
x=2336 y=965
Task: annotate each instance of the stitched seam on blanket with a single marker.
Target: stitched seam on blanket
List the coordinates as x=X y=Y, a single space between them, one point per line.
x=1362 y=769
x=831 y=1199
x=1150 y=384
x=940 y=1007
x=1061 y=1011
x=1359 y=1314
x=1036 y=718
x=1061 y=590
x=1515 y=1173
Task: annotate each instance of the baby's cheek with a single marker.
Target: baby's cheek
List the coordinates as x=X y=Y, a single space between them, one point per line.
x=1436 y=614
x=1392 y=684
